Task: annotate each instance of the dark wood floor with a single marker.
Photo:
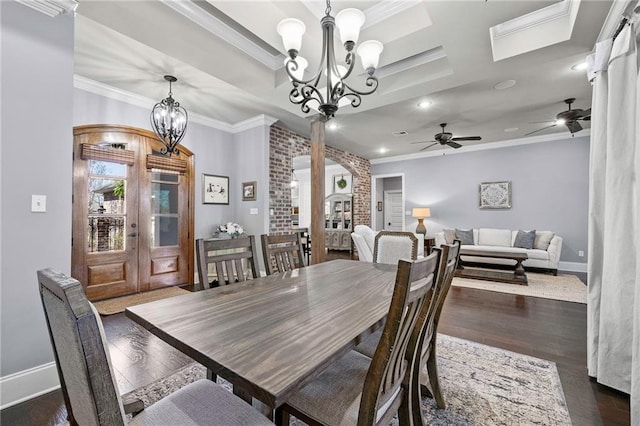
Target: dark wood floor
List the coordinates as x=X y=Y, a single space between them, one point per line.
x=547 y=329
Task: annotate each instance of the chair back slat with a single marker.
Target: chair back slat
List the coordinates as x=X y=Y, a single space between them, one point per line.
x=282 y=252
x=391 y=246
x=385 y=383
x=81 y=353
x=223 y=255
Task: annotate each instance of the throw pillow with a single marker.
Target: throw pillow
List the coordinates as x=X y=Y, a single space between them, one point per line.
x=524 y=239
x=449 y=235
x=543 y=239
x=494 y=237
x=465 y=236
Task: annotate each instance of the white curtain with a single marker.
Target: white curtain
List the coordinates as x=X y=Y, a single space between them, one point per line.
x=614 y=218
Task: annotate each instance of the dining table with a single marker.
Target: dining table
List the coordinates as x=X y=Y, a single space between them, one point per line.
x=272 y=335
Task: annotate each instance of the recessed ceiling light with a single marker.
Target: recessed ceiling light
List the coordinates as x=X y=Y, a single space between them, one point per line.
x=504 y=84
x=400 y=133
x=580 y=66
x=511 y=129
x=332 y=126
x=424 y=104
x=382 y=150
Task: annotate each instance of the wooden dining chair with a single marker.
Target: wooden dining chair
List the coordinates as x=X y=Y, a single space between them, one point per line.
x=282 y=252
x=358 y=390
x=228 y=257
x=425 y=369
x=88 y=383
x=391 y=246
x=423 y=340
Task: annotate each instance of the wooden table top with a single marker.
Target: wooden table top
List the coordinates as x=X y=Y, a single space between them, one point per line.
x=496 y=254
x=271 y=335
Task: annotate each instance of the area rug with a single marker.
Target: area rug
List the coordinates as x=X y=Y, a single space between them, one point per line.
x=119 y=304
x=568 y=288
x=482 y=385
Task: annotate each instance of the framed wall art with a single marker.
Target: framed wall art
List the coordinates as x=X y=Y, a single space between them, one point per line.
x=215 y=189
x=249 y=191
x=342 y=184
x=495 y=195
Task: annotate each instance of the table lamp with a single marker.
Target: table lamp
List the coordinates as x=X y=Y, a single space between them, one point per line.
x=421 y=213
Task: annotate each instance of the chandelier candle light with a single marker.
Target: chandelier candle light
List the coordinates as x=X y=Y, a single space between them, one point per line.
x=420 y=213
x=304 y=91
x=169 y=121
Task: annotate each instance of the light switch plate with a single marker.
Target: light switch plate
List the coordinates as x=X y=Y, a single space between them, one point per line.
x=39 y=203
x=253 y=210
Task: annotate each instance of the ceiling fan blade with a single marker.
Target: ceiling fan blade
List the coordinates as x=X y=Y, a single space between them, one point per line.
x=467 y=138
x=573 y=126
x=454 y=144
x=539 y=130
x=427 y=147
x=421 y=142
x=586 y=115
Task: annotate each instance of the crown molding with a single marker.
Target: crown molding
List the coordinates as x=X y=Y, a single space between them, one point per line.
x=416 y=60
x=373 y=15
x=111 y=92
x=482 y=147
x=220 y=29
x=250 y=123
x=52 y=8
x=535 y=18
x=385 y=9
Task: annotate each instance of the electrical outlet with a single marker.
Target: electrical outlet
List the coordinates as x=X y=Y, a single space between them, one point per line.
x=253 y=210
x=580 y=253
x=39 y=203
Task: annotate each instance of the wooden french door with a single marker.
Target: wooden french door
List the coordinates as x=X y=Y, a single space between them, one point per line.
x=132 y=212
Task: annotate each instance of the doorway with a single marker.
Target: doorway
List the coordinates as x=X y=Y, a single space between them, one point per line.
x=383 y=209
x=132 y=212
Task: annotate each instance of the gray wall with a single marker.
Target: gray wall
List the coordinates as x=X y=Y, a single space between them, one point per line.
x=37 y=122
x=549 y=182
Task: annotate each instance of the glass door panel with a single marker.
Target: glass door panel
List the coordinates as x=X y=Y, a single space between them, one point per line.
x=164 y=209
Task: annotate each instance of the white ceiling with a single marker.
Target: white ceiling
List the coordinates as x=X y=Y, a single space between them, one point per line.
x=440 y=51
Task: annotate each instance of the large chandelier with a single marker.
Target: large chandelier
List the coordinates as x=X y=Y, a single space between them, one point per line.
x=169 y=121
x=329 y=72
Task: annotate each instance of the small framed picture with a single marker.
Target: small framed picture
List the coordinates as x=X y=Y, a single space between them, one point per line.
x=495 y=195
x=215 y=189
x=342 y=184
x=248 y=191
x=379 y=206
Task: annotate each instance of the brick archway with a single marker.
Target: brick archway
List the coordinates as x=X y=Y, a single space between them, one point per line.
x=283 y=146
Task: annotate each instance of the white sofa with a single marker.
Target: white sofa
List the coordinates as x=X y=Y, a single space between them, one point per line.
x=488 y=239
x=364 y=239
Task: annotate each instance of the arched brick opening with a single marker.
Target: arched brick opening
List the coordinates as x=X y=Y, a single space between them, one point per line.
x=283 y=146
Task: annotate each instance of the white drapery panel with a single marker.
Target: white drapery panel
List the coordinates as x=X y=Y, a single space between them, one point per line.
x=614 y=219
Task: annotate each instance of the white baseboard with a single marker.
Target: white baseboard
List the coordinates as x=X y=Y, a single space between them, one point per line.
x=572 y=266
x=24 y=385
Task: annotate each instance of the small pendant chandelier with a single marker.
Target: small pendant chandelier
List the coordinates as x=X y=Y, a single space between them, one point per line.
x=169 y=121
x=336 y=92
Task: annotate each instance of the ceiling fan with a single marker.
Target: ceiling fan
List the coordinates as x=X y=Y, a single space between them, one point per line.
x=446 y=138
x=569 y=118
